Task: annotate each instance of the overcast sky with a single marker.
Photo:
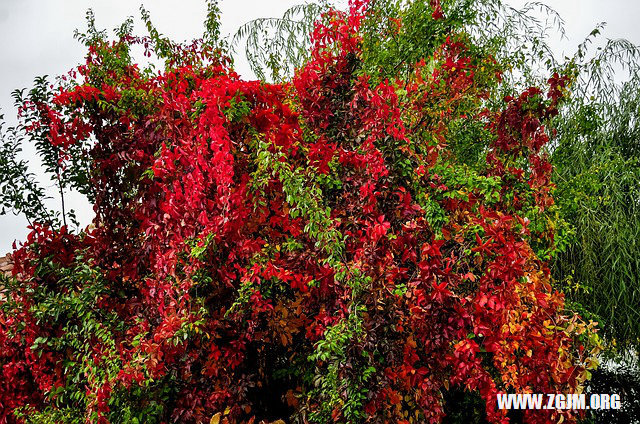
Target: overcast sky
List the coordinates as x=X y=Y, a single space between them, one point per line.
x=37 y=39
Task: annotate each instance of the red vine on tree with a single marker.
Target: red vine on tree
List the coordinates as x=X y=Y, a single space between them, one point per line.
x=311 y=248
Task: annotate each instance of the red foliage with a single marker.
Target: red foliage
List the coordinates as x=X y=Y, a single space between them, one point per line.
x=227 y=256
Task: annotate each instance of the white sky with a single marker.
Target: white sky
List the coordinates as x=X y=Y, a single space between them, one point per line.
x=37 y=39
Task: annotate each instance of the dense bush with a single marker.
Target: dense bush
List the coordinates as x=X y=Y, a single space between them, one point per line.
x=594 y=150
x=316 y=250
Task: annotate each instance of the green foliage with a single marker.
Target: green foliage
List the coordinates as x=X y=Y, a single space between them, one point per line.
x=277 y=46
x=20 y=192
x=87 y=330
x=598 y=177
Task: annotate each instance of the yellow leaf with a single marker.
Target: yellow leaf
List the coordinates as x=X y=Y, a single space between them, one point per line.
x=215 y=419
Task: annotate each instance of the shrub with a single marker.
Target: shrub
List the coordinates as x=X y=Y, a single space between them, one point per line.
x=313 y=250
